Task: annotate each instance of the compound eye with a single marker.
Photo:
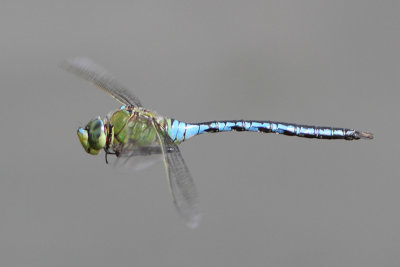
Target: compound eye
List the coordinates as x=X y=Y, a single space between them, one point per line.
x=96 y=134
x=83 y=138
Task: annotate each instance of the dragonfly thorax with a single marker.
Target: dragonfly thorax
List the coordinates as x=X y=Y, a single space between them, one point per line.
x=93 y=137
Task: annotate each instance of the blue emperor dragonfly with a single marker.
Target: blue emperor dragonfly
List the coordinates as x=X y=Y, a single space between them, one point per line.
x=133 y=131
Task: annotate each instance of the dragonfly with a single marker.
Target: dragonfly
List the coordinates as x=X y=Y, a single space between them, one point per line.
x=133 y=131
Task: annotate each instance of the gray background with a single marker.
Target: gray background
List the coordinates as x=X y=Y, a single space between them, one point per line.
x=267 y=200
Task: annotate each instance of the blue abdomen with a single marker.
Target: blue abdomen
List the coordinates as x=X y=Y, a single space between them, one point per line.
x=180 y=131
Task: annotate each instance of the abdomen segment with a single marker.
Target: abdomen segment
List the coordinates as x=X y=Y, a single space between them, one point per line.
x=180 y=131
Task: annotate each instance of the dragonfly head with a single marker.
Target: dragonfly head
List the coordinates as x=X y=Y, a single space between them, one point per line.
x=93 y=137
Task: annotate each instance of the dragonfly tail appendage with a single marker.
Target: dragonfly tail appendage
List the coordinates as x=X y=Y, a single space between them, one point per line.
x=180 y=131
x=365 y=135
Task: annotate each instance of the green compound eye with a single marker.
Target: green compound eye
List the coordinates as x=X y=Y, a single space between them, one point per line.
x=93 y=137
x=83 y=138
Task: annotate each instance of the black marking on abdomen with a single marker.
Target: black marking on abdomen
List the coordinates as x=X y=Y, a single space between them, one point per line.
x=286 y=132
x=307 y=135
x=238 y=128
x=212 y=130
x=264 y=130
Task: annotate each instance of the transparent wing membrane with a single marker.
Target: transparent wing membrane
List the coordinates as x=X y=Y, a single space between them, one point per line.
x=90 y=71
x=134 y=155
x=183 y=189
x=139 y=158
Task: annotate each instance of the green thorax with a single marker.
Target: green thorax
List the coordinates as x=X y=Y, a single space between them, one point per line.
x=136 y=126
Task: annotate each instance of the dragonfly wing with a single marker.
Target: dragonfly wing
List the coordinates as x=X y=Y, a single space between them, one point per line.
x=137 y=159
x=183 y=190
x=181 y=183
x=90 y=71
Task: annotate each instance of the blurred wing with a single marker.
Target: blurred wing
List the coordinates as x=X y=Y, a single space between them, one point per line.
x=132 y=153
x=182 y=187
x=181 y=183
x=90 y=71
x=138 y=158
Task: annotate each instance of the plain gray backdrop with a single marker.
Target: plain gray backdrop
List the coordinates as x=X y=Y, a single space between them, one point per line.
x=267 y=200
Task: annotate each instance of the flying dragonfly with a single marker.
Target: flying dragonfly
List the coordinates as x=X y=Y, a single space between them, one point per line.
x=133 y=131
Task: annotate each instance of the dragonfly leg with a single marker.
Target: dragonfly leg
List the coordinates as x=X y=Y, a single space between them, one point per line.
x=109 y=153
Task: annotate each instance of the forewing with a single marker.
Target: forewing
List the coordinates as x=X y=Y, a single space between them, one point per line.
x=90 y=71
x=181 y=183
